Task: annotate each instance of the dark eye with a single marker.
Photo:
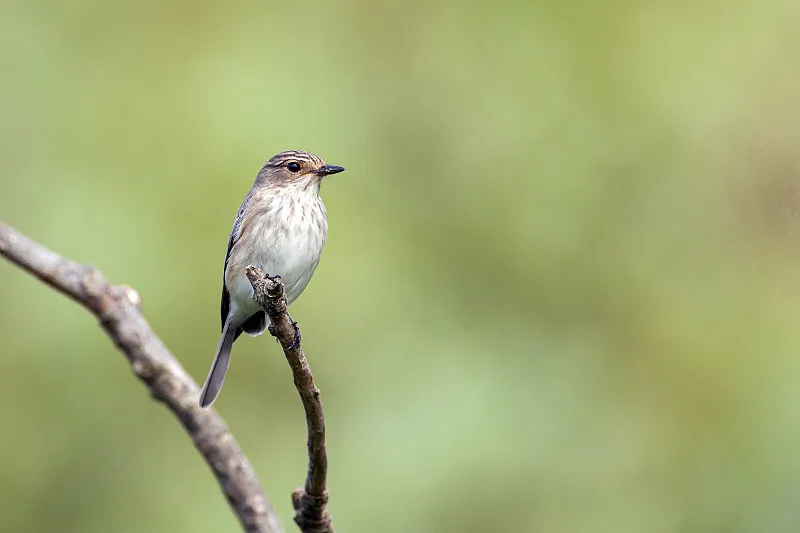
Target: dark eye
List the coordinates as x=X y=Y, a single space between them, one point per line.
x=294 y=166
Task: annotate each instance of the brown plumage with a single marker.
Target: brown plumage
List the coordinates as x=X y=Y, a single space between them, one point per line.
x=281 y=227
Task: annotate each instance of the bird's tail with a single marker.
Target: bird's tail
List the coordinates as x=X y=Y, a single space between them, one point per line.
x=220 y=365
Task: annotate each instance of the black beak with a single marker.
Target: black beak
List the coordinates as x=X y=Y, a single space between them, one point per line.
x=327 y=170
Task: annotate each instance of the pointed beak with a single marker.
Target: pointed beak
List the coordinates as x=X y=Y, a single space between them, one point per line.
x=327 y=170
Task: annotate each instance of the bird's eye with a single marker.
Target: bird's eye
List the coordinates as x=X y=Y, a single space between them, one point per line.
x=294 y=166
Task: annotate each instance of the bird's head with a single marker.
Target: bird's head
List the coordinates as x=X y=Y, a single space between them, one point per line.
x=298 y=168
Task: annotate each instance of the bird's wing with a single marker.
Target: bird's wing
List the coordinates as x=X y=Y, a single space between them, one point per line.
x=237 y=224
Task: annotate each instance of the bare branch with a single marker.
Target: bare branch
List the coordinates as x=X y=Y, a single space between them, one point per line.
x=117 y=309
x=309 y=502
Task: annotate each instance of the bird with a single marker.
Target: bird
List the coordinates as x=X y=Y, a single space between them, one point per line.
x=281 y=227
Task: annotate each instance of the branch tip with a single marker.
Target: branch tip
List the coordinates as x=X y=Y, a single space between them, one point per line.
x=310 y=501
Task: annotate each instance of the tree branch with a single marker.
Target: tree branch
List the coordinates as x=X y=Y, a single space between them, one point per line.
x=118 y=310
x=309 y=502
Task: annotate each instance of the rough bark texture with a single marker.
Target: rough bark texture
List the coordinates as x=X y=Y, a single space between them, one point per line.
x=309 y=502
x=118 y=310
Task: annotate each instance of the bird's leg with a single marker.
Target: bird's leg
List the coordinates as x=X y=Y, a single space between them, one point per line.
x=296 y=342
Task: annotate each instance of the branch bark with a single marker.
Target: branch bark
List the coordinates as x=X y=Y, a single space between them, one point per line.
x=118 y=310
x=310 y=501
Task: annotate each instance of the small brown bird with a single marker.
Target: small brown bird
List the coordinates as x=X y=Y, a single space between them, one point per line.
x=281 y=228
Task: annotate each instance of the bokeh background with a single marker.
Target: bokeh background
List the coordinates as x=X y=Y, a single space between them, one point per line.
x=561 y=291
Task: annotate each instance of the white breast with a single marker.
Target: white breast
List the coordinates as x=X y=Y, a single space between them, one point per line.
x=283 y=235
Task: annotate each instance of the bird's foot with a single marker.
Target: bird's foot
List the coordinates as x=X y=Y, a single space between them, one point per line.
x=296 y=342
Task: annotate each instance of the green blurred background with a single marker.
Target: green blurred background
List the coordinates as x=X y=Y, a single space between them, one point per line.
x=560 y=291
